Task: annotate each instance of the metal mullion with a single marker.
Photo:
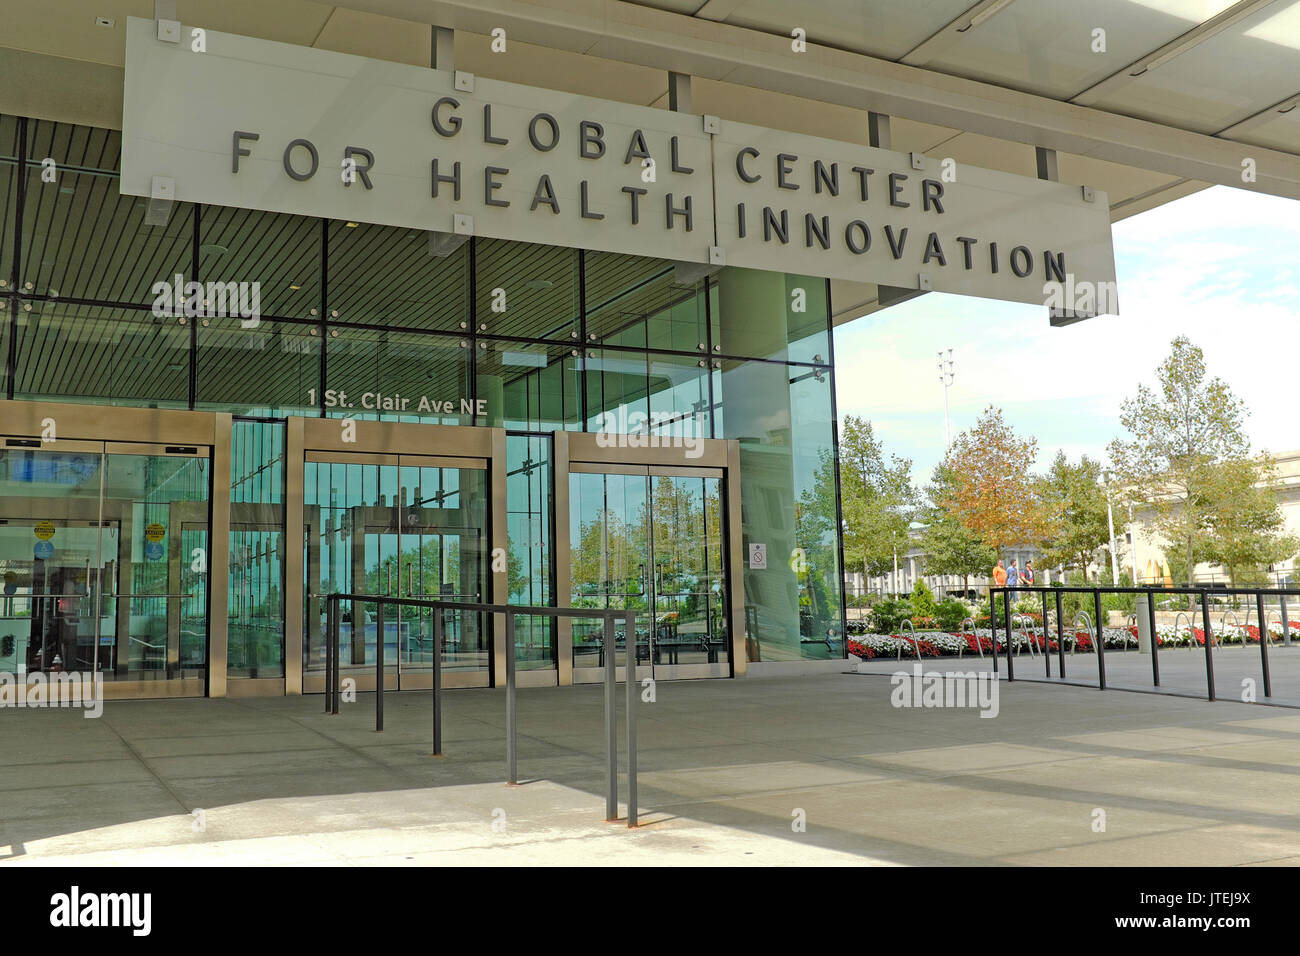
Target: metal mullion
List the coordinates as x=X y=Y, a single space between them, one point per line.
x=839 y=504
x=194 y=326
x=11 y=357
x=582 y=338
x=324 y=304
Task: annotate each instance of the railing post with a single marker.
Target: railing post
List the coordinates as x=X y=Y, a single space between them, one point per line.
x=1155 y=639
x=334 y=650
x=331 y=608
x=631 y=728
x=993 y=629
x=1006 y=615
x=611 y=723
x=512 y=770
x=379 y=661
x=1047 y=651
x=1209 y=644
x=1060 y=634
x=1263 y=643
x=437 y=681
x=1101 y=640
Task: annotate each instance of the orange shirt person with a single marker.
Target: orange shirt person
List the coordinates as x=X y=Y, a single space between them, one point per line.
x=999 y=575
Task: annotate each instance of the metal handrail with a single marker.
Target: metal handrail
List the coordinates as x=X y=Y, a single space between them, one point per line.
x=608 y=615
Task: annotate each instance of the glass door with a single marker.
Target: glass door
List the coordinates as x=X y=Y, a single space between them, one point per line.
x=401 y=526
x=650 y=540
x=103 y=555
x=444 y=554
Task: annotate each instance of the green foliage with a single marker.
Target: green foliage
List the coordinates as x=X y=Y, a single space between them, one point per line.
x=1075 y=505
x=922 y=600
x=877 y=499
x=1178 y=434
x=888 y=616
x=1244 y=521
x=949 y=614
x=950 y=547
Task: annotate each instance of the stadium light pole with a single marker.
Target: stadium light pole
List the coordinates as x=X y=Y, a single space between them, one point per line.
x=946 y=377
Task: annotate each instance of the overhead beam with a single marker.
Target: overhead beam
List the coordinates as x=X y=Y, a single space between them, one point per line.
x=662 y=40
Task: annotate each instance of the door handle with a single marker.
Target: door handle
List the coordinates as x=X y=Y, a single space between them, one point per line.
x=389 y=592
x=410 y=588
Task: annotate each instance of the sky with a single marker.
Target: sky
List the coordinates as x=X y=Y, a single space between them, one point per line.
x=1221 y=266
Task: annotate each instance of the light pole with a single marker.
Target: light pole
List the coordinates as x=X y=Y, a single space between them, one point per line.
x=946 y=377
x=1110 y=521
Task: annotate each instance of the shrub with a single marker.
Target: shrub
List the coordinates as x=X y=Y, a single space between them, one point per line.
x=949 y=614
x=887 y=616
x=922 y=600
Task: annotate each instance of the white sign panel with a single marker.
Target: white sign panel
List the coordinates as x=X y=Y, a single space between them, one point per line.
x=265 y=125
x=757 y=557
x=803 y=204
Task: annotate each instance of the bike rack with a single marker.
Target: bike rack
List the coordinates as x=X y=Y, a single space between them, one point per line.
x=915 y=646
x=1081 y=616
x=979 y=646
x=1223 y=626
x=1018 y=621
x=1191 y=627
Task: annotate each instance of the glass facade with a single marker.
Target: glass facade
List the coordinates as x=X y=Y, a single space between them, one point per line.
x=371 y=322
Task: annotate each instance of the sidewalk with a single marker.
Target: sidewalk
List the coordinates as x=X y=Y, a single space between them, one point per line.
x=725 y=766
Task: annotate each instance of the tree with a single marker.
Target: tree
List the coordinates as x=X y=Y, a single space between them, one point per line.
x=1179 y=433
x=877 y=499
x=1244 y=522
x=992 y=490
x=950 y=547
x=1074 y=505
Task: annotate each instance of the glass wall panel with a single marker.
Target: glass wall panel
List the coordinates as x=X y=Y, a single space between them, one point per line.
x=525 y=290
x=280 y=253
x=116 y=356
x=397 y=376
x=81 y=237
x=782 y=417
x=255 y=592
x=8 y=194
x=57 y=563
x=771 y=315
x=650 y=394
x=529 y=567
x=160 y=605
x=638 y=302
x=386 y=276
x=530 y=387
x=270 y=370
x=374 y=526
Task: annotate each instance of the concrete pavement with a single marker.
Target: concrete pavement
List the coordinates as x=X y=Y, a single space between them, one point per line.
x=726 y=768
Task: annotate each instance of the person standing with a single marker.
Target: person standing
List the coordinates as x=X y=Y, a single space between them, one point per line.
x=1013 y=579
x=999 y=574
x=1027 y=575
